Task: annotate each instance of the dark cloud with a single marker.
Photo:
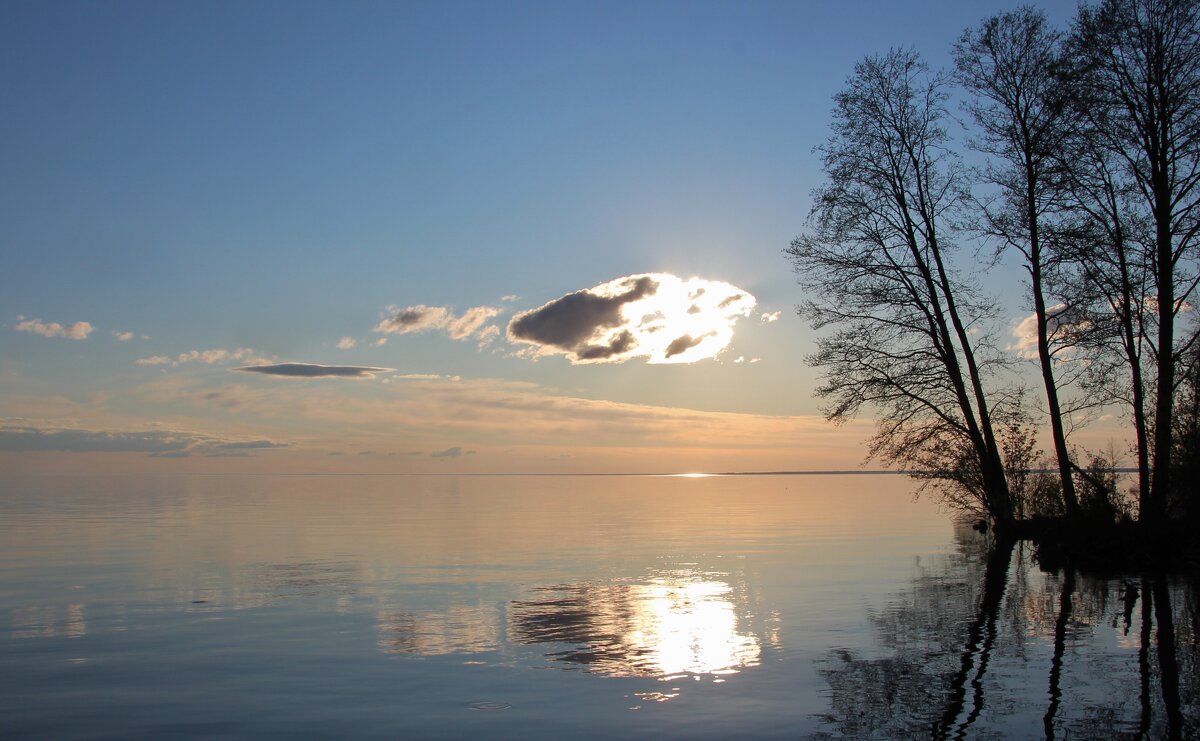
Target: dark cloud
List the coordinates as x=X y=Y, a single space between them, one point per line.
x=156 y=443
x=447 y=453
x=412 y=317
x=569 y=322
x=619 y=345
x=635 y=316
x=313 y=370
x=683 y=344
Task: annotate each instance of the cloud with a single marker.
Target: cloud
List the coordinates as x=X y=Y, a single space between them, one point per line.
x=682 y=344
x=413 y=319
x=156 y=443
x=470 y=322
x=769 y=317
x=122 y=336
x=531 y=421
x=313 y=370
x=421 y=377
x=487 y=335
x=346 y=343
x=1060 y=322
x=208 y=357
x=75 y=331
x=508 y=298
x=658 y=316
x=422 y=318
x=447 y=453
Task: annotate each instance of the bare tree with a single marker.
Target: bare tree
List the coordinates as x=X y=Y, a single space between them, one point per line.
x=876 y=268
x=1021 y=110
x=1110 y=245
x=1140 y=89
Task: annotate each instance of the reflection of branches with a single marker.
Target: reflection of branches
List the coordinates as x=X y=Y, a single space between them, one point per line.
x=1144 y=659
x=966 y=644
x=980 y=639
x=1168 y=664
x=1060 y=641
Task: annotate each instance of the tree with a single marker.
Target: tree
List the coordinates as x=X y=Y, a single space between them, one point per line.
x=1111 y=259
x=1009 y=65
x=876 y=266
x=1185 y=455
x=1139 y=87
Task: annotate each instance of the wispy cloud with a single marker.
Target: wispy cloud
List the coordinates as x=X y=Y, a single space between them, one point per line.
x=346 y=343
x=156 y=443
x=73 y=331
x=453 y=452
x=772 y=316
x=122 y=336
x=487 y=335
x=1060 y=323
x=422 y=318
x=313 y=370
x=657 y=316
x=208 y=357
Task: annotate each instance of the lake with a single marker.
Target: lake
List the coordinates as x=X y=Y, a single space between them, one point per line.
x=549 y=606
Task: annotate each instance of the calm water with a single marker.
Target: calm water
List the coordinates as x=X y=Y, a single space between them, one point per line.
x=782 y=606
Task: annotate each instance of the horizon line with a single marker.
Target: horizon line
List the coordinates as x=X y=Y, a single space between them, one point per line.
x=694 y=474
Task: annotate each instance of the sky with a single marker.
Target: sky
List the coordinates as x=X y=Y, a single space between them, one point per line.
x=422 y=237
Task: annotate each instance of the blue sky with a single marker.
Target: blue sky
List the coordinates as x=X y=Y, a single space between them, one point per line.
x=274 y=175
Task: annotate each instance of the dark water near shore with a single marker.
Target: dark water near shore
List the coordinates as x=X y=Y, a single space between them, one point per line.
x=385 y=607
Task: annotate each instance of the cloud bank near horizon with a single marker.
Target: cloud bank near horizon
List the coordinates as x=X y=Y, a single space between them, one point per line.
x=657 y=316
x=155 y=443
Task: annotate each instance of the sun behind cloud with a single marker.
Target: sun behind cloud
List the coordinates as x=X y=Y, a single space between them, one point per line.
x=658 y=316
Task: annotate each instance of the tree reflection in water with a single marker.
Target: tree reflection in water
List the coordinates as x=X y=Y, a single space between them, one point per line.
x=983 y=644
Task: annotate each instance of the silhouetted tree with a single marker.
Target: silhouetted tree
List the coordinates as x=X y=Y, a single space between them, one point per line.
x=1185 y=456
x=1139 y=88
x=876 y=266
x=1112 y=274
x=1021 y=111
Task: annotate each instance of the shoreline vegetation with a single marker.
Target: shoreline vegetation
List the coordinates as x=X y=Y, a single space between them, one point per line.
x=1084 y=146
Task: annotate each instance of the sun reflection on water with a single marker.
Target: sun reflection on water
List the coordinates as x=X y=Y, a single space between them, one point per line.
x=670 y=627
x=665 y=627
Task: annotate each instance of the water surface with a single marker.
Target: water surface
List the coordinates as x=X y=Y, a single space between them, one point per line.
x=380 y=606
